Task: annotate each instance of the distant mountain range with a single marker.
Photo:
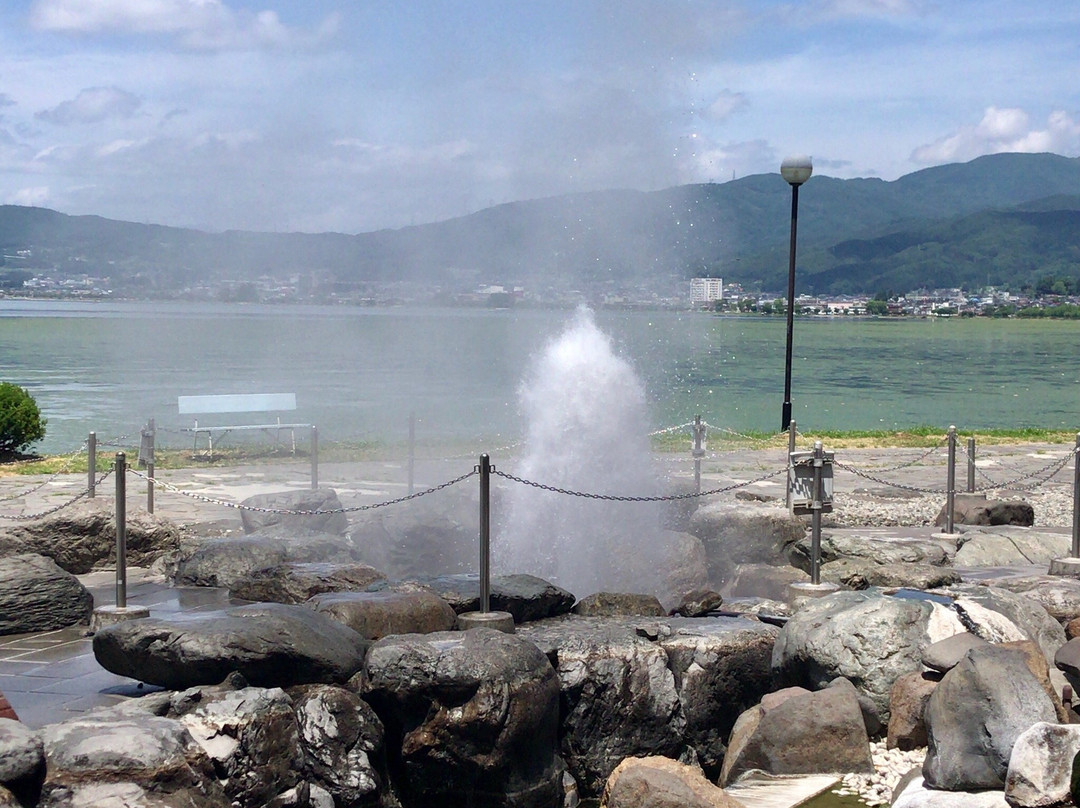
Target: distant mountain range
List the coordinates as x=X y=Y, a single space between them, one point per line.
x=1004 y=220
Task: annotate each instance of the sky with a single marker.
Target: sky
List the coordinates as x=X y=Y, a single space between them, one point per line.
x=318 y=116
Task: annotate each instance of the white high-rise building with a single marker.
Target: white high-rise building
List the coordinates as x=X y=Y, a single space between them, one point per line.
x=706 y=290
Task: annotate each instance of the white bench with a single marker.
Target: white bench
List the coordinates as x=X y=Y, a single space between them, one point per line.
x=252 y=402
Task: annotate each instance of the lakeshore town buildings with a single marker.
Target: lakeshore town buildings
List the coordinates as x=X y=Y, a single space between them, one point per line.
x=697 y=293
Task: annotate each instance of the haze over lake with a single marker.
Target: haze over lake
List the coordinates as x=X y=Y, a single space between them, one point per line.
x=358 y=372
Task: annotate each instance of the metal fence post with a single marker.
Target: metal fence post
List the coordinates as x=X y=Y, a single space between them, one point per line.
x=950 y=497
x=1076 y=499
x=91 y=464
x=412 y=450
x=698 y=453
x=971 y=464
x=314 y=457
x=121 y=529
x=149 y=443
x=790 y=469
x=815 y=517
x=485 y=533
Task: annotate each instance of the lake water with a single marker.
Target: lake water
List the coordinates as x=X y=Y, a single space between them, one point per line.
x=359 y=372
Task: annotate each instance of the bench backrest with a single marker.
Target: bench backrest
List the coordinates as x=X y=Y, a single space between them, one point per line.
x=253 y=402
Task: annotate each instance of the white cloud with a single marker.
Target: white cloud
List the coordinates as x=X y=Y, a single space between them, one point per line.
x=873 y=8
x=36 y=197
x=198 y=24
x=92 y=105
x=1002 y=130
x=726 y=104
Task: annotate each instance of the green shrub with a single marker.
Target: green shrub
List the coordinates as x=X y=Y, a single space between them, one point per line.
x=20 y=419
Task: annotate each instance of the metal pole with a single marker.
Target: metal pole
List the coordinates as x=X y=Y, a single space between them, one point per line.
x=150 y=468
x=790 y=468
x=485 y=533
x=786 y=414
x=815 y=523
x=121 y=530
x=971 y=464
x=412 y=449
x=950 y=499
x=698 y=453
x=1076 y=499
x=314 y=457
x=91 y=463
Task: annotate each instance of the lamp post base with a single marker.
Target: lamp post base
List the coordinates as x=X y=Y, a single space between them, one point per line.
x=785 y=417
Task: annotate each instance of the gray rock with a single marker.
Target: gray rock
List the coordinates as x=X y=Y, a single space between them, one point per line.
x=943 y=655
x=869 y=638
x=746 y=533
x=226 y=562
x=297 y=582
x=918 y=795
x=869 y=548
x=652 y=782
x=37 y=595
x=1059 y=595
x=1040 y=765
x=113 y=760
x=22 y=757
x=1000 y=616
x=1009 y=546
x=322 y=511
x=82 y=537
x=471 y=718
x=251 y=735
x=698 y=603
x=764 y=581
x=975 y=715
x=526 y=597
x=613 y=604
x=271 y=645
x=343 y=743
x=976 y=509
x=1067 y=658
x=374 y=615
x=799 y=732
x=435 y=535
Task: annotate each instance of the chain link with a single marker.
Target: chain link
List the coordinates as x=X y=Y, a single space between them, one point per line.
x=289 y=512
x=62 y=470
x=615 y=498
x=891 y=484
x=917 y=460
x=61 y=506
x=1050 y=470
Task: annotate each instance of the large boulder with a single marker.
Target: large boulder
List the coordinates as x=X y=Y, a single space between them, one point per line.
x=976 y=509
x=975 y=715
x=866 y=637
x=660 y=782
x=745 y=533
x=116 y=760
x=374 y=615
x=82 y=537
x=1009 y=546
x=343 y=743
x=434 y=535
x=1058 y=594
x=314 y=511
x=795 y=731
x=858 y=573
x=271 y=645
x=526 y=597
x=298 y=582
x=764 y=581
x=228 y=561
x=874 y=549
x=907 y=703
x=916 y=794
x=37 y=595
x=471 y=718
x=613 y=604
x=1040 y=766
x=647 y=686
x=22 y=760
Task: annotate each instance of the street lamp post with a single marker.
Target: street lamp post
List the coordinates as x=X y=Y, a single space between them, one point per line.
x=796 y=171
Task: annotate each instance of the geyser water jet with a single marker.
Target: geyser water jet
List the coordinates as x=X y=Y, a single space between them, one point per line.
x=586 y=430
